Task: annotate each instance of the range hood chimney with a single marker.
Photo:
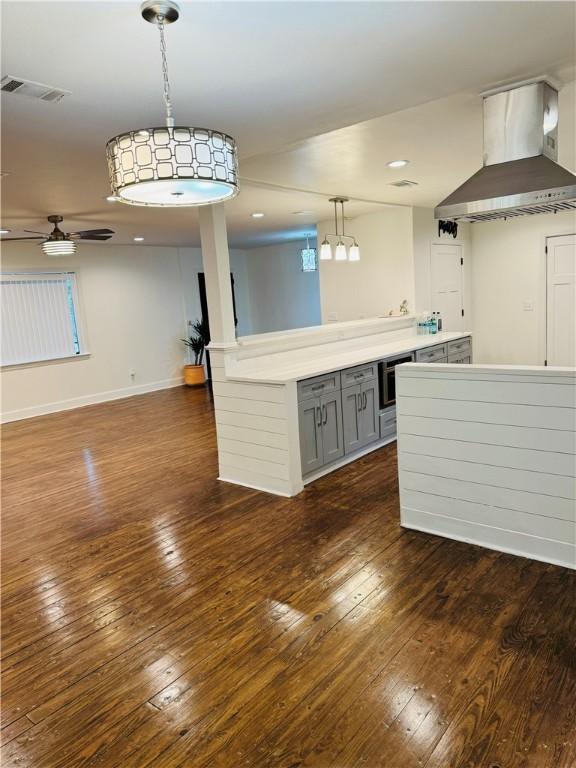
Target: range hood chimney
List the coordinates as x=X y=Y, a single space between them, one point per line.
x=520 y=174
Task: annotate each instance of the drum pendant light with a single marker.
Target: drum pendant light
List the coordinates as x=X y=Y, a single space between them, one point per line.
x=171 y=165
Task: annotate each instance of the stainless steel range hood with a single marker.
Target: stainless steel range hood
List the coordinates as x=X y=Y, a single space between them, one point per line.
x=520 y=174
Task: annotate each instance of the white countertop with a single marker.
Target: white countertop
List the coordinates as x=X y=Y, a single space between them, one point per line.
x=282 y=367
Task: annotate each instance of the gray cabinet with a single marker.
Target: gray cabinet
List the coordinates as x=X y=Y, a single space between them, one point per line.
x=352 y=418
x=321 y=430
x=310 y=427
x=360 y=415
x=332 y=429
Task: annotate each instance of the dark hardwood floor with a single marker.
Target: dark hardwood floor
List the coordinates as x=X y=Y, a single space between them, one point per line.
x=153 y=616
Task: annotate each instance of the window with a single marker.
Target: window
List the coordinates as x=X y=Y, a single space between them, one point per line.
x=309 y=263
x=39 y=317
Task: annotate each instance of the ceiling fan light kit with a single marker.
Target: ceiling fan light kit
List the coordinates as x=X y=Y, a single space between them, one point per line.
x=341 y=252
x=59 y=243
x=171 y=165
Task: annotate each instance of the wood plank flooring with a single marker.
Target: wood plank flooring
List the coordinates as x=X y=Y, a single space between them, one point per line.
x=153 y=616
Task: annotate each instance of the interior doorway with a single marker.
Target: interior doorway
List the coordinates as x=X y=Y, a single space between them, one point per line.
x=561 y=300
x=446 y=279
x=206 y=316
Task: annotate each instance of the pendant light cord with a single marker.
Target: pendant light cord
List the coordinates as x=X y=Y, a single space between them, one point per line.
x=167 y=99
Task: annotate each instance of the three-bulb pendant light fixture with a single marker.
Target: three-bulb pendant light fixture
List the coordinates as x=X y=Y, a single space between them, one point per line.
x=171 y=165
x=342 y=253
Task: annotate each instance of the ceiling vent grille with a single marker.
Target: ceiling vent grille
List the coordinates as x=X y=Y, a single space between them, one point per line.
x=31 y=90
x=403 y=183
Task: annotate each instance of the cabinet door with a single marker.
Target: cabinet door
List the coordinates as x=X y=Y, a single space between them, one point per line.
x=310 y=424
x=352 y=418
x=370 y=426
x=332 y=429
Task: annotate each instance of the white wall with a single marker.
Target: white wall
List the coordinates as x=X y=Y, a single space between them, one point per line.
x=509 y=287
x=281 y=295
x=425 y=232
x=382 y=278
x=135 y=302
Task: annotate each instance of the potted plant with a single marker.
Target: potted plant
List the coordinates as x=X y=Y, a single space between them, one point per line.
x=194 y=372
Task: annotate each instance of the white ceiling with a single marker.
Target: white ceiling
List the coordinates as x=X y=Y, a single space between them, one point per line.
x=319 y=95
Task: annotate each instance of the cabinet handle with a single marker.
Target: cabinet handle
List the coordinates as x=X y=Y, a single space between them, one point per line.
x=325 y=414
x=365 y=398
x=358 y=375
x=359 y=402
x=316 y=387
x=318 y=416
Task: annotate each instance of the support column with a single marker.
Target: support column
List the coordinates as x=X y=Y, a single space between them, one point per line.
x=216 y=260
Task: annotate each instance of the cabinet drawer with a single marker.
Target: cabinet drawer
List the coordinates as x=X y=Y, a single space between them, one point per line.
x=459 y=358
x=459 y=346
x=358 y=374
x=388 y=423
x=432 y=354
x=319 y=385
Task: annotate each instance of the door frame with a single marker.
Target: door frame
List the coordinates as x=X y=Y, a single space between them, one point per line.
x=464 y=256
x=544 y=294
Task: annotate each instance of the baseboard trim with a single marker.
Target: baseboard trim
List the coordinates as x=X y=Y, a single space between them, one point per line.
x=81 y=402
x=510 y=542
x=255 y=487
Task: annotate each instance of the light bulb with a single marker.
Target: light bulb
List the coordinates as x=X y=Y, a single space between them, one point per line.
x=325 y=251
x=341 y=254
x=354 y=253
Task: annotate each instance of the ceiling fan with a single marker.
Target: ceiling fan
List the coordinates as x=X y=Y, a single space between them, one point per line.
x=59 y=243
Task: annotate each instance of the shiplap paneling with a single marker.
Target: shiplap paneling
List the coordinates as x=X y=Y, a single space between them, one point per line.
x=251 y=435
x=531 y=459
x=555 y=441
x=254 y=433
x=490 y=461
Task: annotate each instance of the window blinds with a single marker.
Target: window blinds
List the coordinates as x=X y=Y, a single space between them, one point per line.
x=39 y=317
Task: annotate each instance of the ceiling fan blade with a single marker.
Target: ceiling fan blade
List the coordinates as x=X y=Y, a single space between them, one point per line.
x=35 y=232
x=13 y=239
x=84 y=233
x=91 y=237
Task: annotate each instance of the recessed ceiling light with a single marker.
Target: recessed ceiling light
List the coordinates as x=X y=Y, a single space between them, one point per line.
x=138 y=239
x=302 y=213
x=4 y=231
x=257 y=215
x=397 y=163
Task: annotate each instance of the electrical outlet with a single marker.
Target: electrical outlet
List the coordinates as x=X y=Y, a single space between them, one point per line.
x=528 y=306
x=132 y=374
x=332 y=317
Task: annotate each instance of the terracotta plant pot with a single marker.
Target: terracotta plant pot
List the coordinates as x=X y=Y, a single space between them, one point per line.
x=194 y=375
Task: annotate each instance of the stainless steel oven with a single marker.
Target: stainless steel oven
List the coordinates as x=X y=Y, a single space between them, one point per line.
x=387 y=378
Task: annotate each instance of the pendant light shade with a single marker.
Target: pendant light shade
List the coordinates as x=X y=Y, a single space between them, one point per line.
x=354 y=252
x=325 y=251
x=341 y=254
x=171 y=165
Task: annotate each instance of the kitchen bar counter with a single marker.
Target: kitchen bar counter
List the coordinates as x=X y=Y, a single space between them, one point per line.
x=304 y=363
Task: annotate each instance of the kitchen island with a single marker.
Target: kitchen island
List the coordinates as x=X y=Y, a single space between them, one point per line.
x=487 y=455
x=293 y=406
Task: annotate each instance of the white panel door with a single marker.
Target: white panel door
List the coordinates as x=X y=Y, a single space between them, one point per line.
x=446 y=284
x=561 y=300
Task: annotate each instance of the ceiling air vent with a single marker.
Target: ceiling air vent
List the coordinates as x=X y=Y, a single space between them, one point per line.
x=32 y=90
x=403 y=183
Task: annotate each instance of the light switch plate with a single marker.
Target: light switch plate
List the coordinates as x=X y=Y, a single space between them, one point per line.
x=528 y=306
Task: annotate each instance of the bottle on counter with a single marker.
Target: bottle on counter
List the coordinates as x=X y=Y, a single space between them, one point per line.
x=432 y=327
x=438 y=322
